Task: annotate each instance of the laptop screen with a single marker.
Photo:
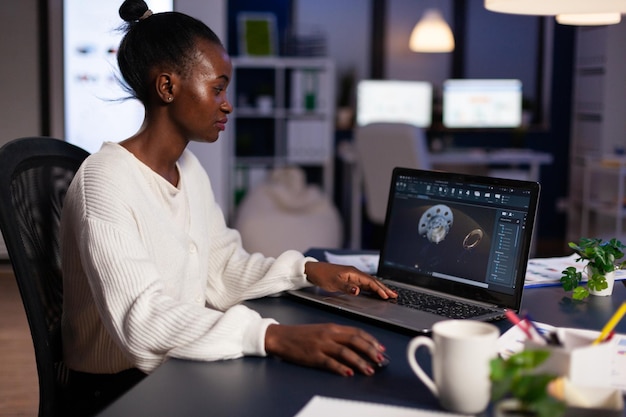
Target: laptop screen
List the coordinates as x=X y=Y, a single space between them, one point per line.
x=464 y=235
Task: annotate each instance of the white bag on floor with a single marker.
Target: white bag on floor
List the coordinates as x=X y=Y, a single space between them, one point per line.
x=286 y=213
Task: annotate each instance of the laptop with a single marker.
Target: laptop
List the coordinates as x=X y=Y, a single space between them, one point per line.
x=461 y=239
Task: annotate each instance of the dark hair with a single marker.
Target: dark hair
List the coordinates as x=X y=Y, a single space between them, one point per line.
x=166 y=39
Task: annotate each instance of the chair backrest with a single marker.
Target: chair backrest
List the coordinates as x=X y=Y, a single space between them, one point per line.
x=380 y=147
x=34 y=176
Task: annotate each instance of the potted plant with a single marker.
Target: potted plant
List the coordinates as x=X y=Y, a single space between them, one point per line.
x=518 y=391
x=601 y=257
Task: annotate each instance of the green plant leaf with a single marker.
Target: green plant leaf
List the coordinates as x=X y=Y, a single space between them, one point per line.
x=514 y=377
x=571 y=278
x=530 y=388
x=580 y=293
x=501 y=388
x=597 y=282
x=528 y=359
x=548 y=407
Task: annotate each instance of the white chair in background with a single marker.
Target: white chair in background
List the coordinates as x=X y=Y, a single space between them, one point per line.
x=380 y=147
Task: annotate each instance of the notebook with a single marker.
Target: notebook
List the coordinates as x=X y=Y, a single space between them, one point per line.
x=463 y=239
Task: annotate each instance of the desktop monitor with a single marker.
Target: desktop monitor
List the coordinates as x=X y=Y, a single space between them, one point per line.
x=482 y=103
x=393 y=101
x=94 y=105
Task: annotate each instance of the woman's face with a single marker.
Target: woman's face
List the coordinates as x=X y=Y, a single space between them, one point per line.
x=200 y=105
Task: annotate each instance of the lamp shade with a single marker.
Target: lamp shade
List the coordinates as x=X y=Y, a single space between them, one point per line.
x=431 y=34
x=555 y=7
x=589 y=19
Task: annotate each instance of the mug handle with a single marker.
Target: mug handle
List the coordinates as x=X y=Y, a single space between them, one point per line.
x=411 y=349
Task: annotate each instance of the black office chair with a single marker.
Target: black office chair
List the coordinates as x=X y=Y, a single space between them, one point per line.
x=34 y=176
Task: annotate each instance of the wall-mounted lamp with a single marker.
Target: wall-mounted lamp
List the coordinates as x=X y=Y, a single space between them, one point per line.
x=589 y=19
x=431 y=34
x=555 y=7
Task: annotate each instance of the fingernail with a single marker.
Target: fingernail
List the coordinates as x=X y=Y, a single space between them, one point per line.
x=369 y=370
x=353 y=290
x=349 y=372
x=383 y=360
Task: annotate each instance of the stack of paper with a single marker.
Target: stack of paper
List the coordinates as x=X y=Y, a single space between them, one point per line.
x=543 y=272
x=325 y=406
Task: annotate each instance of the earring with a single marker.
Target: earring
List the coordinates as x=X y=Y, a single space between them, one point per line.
x=170 y=98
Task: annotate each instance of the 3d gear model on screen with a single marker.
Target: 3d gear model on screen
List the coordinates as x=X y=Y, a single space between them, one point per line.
x=435 y=223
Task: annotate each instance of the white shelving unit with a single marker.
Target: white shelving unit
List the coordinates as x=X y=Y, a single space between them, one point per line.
x=284 y=115
x=603 y=209
x=598 y=132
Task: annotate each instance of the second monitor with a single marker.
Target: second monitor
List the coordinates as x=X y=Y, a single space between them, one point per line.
x=394 y=101
x=482 y=103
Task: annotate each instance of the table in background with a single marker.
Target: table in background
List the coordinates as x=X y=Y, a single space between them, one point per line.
x=513 y=158
x=270 y=387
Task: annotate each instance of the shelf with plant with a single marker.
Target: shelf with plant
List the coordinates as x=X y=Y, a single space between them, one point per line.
x=601 y=257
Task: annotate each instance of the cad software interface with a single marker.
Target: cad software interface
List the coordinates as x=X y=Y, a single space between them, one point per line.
x=468 y=233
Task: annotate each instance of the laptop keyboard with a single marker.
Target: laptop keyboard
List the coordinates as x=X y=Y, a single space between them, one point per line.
x=438 y=305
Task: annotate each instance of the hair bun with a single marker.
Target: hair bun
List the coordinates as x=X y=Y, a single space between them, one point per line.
x=133 y=10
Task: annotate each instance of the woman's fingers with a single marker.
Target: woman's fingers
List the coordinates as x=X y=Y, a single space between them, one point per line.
x=340 y=349
x=381 y=289
x=348 y=279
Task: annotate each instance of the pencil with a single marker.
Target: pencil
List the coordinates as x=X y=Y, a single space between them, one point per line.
x=610 y=325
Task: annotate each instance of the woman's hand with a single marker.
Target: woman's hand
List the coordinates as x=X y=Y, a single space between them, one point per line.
x=340 y=349
x=332 y=277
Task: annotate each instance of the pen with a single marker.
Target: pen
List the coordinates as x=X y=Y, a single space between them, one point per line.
x=536 y=329
x=610 y=325
x=517 y=322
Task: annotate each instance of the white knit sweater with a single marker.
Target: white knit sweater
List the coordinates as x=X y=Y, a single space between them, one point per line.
x=151 y=271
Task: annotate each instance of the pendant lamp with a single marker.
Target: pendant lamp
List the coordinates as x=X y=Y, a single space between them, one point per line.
x=431 y=34
x=556 y=7
x=589 y=19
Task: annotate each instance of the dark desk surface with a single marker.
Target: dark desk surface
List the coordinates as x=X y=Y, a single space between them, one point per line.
x=269 y=387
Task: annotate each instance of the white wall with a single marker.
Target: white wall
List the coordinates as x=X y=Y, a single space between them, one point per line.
x=19 y=72
x=342 y=22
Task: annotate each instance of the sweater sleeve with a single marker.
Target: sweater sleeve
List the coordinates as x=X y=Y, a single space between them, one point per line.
x=234 y=275
x=148 y=323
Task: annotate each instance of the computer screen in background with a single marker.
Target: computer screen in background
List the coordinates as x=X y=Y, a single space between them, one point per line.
x=95 y=109
x=482 y=103
x=394 y=101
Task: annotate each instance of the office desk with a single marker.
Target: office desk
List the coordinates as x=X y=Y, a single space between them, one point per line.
x=269 y=387
x=511 y=157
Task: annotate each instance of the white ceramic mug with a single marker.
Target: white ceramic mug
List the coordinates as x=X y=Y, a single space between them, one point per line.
x=461 y=351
